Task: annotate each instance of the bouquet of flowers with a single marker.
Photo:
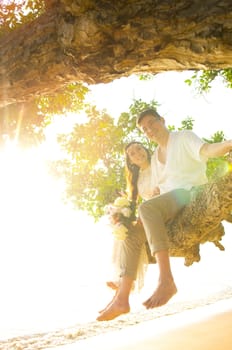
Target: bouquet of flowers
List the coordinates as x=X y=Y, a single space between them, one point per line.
x=121 y=213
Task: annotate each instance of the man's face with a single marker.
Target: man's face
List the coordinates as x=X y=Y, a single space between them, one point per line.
x=152 y=127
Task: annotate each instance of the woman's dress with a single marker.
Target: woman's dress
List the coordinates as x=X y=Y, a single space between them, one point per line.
x=145 y=190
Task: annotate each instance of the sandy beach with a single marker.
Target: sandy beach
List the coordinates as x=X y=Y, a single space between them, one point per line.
x=207 y=328
x=203 y=324
x=51 y=306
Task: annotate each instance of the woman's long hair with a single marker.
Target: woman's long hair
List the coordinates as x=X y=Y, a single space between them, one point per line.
x=132 y=172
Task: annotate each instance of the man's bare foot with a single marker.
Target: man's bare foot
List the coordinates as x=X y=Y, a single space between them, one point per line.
x=163 y=293
x=114 y=310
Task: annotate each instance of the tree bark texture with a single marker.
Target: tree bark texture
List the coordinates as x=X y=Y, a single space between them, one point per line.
x=201 y=220
x=98 y=41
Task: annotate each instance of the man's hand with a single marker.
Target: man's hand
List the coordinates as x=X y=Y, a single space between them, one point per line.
x=211 y=150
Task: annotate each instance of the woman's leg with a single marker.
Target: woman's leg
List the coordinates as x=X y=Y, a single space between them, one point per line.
x=120 y=303
x=131 y=251
x=129 y=261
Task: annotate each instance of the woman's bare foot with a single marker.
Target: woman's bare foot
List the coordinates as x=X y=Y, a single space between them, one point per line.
x=115 y=309
x=108 y=305
x=112 y=285
x=163 y=293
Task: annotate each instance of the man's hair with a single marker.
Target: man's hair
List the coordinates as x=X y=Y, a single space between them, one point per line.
x=150 y=111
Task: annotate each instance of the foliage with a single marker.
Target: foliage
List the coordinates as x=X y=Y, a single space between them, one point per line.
x=227 y=76
x=146 y=76
x=216 y=167
x=69 y=100
x=21 y=123
x=25 y=123
x=202 y=80
x=15 y=13
x=93 y=166
x=186 y=124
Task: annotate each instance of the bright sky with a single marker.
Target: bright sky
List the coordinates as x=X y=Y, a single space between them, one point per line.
x=211 y=112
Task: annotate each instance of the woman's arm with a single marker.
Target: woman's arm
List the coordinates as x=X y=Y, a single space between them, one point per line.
x=211 y=150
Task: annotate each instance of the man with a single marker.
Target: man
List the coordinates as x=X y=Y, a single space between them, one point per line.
x=178 y=164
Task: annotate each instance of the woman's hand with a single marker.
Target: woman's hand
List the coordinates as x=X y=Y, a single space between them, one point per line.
x=155 y=192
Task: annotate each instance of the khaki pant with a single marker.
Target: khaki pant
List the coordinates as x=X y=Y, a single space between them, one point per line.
x=154 y=214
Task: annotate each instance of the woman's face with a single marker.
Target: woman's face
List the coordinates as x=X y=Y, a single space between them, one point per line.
x=137 y=155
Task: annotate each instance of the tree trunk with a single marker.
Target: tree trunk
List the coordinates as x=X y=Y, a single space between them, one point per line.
x=201 y=220
x=99 y=41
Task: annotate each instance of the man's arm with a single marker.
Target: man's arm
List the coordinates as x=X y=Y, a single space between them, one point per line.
x=211 y=150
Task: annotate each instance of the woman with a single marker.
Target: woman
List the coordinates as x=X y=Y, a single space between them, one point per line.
x=138 y=172
x=139 y=186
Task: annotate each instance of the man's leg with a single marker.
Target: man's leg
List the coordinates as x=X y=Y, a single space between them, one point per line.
x=166 y=287
x=154 y=214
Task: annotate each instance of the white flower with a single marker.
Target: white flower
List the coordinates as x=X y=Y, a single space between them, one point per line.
x=111 y=210
x=120 y=232
x=126 y=212
x=121 y=202
x=119 y=214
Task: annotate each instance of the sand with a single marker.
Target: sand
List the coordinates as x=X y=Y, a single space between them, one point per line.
x=198 y=317
x=205 y=324
x=207 y=328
